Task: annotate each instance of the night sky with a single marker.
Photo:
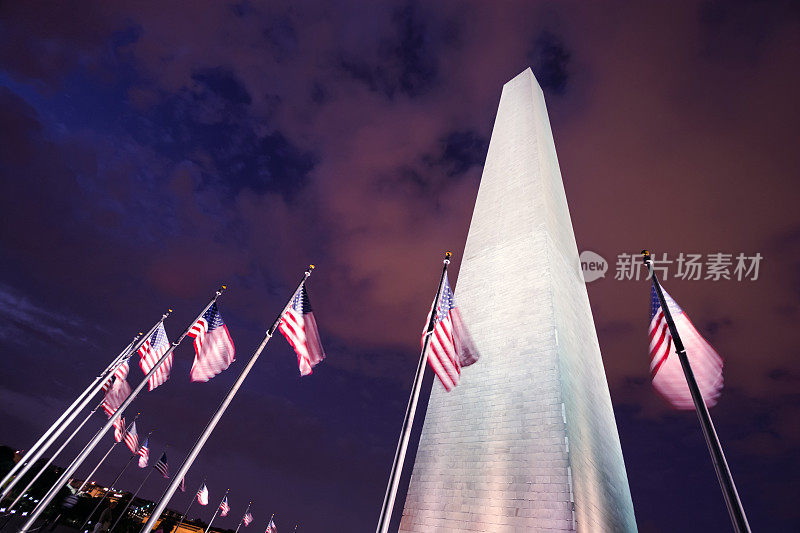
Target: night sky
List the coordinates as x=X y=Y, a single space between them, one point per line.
x=150 y=153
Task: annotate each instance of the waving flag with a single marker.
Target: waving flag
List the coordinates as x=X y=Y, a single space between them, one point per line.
x=144 y=453
x=117 y=393
x=213 y=346
x=161 y=466
x=450 y=348
x=182 y=486
x=202 y=495
x=121 y=372
x=119 y=428
x=131 y=438
x=300 y=329
x=224 y=508
x=271 y=527
x=150 y=352
x=247 y=519
x=665 y=367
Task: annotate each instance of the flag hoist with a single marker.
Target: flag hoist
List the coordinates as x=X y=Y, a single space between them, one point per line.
x=135 y=452
x=732 y=501
x=118 y=436
x=219 y=508
x=246 y=518
x=67 y=474
x=447 y=347
x=161 y=466
x=201 y=440
x=195 y=497
x=66 y=418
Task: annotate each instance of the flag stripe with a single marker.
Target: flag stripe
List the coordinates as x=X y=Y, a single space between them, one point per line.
x=299 y=328
x=666 y=370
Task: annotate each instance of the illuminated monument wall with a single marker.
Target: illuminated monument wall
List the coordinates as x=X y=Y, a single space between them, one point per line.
x=528 y=441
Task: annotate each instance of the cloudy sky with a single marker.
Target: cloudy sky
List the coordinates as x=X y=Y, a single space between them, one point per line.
x=150 y=153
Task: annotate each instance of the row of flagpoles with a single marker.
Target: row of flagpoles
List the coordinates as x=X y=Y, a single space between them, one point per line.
x=446 y=346
x=214 y=352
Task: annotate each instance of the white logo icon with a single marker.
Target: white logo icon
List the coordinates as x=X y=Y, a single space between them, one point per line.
x=593 y=266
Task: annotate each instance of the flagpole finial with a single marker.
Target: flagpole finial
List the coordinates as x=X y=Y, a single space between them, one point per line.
x=310 y=269
x=646 y=255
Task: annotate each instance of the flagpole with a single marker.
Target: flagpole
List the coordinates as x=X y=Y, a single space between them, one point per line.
x=50 y=461
x=215 y=512
x=271 y=518
x=732 y=501
x=46 y=435
x=190 y=506
x=245 y=514
x=201 y=440
x=108 y=489
x=37 y=511
x=66 y=418
x=405 y=433
x=151 y=470
x=89 y=477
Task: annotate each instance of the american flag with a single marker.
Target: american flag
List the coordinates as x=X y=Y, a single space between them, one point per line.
x=115 y=395
x=150 y=352
x=247 y=519
x=161 y=466
x=213 y=346
x=450 y=348
x=271 y=527
x=131 y=438
x=144 y=453
x=224 y=508
x=182 y=486
x=202 y=495
x=300 y=329
x=119 y=428
x=120 y=373
x=665 y=367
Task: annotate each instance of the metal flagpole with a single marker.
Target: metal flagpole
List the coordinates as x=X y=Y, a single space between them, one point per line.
x=215 y=512
x=408 y=421
x=108 y=489
x=33 y=449
x=50 y=461
x=98 y=384
x=150 y=471
x=66 y=418
x=271 y=518
x=190 y=506
x=86 y=480
x=245 y=514
x=201 y=440
x=732 y=501
x=37 y=511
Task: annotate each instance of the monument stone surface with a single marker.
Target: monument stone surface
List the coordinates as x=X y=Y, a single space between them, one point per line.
x=528 y=441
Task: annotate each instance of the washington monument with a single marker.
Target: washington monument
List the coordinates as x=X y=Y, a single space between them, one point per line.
x=528 y=441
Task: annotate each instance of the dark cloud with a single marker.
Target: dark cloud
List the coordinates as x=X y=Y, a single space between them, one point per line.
x=459 y=151
x=551 y=61
x=223 y=83
x=407 y=61
x=209 y=124
x=282 y=37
